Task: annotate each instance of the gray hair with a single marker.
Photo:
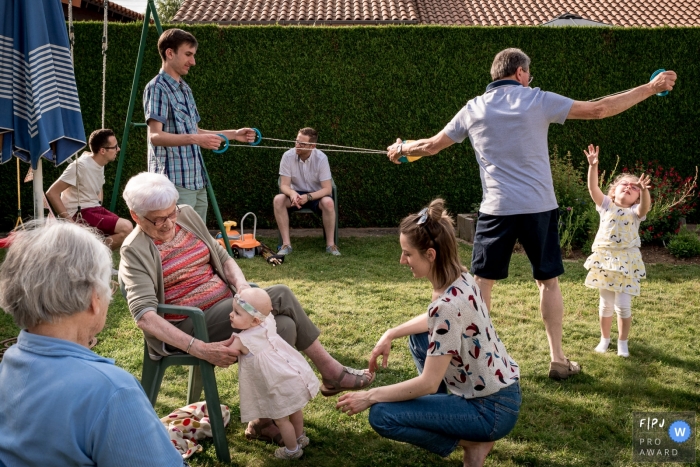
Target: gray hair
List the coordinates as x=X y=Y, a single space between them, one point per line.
x=51 y=271
x=148 y=192
x=507 y=62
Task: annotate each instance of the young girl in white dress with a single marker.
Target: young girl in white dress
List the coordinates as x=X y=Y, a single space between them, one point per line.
x=616 y=267
x=274 y=380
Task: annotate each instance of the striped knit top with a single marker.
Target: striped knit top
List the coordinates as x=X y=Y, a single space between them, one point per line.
x=188 y=276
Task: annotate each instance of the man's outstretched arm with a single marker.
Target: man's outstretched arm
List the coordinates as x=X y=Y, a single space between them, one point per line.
x=614 y=105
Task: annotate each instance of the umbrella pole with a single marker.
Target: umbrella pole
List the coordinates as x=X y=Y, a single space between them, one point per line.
x=38 y=184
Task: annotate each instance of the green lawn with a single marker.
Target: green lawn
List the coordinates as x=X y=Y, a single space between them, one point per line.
x=585 y=421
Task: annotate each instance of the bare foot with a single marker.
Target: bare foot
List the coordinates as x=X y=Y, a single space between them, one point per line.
x=475 y=452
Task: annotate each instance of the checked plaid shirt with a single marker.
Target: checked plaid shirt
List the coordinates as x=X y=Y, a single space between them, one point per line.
x=172 y=104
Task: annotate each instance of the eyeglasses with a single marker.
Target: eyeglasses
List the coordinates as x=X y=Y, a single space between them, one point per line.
x=630 y=185
x=303 y=144
x=161 y=220
x=530 y=80
x=114 y=285
x=116 y=146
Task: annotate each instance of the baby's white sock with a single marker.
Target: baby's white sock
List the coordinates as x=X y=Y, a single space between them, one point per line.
x=291 y=452
x=622 y=349
x=603 y=346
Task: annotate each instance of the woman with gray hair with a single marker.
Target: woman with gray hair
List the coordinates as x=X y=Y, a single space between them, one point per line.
x=171 y=258
x=61 y=404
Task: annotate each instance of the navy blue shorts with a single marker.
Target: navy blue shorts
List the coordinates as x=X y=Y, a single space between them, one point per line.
x=313 y=204
x=495 y=238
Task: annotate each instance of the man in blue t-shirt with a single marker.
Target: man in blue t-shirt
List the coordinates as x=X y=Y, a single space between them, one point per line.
x=508 y=126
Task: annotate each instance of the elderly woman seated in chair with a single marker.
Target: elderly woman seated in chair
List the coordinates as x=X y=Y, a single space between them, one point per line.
x=171 y=258
x=61 y=404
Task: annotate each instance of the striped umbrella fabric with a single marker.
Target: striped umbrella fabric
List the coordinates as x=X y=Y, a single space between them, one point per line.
x=39 y=104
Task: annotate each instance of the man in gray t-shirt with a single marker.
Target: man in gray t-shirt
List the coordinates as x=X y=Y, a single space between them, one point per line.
x=305 y=182
x=508 y=126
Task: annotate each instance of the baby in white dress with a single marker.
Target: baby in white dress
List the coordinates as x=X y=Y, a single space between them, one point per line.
x=274 y=379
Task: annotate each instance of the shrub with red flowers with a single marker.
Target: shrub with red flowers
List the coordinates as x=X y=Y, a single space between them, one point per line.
x=672 y=197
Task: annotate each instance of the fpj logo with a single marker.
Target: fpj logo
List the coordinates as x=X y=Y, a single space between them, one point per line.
x=664 y=437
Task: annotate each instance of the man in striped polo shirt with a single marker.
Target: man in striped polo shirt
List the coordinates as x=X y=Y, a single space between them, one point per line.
x=174 y=137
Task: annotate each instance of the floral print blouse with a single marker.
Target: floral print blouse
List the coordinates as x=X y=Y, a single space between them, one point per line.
x=459 y=324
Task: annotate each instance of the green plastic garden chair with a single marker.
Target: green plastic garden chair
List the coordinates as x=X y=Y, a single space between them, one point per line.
x=201 y=376
x=334 y=195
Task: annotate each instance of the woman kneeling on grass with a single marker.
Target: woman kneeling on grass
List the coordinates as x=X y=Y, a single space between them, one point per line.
x=467 y=392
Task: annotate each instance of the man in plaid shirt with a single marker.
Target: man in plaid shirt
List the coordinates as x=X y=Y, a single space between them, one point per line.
x=174 y=137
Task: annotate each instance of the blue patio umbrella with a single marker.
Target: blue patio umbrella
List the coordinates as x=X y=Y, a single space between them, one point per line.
x=39 y=103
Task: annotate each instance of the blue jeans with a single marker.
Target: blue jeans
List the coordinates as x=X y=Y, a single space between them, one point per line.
x=438 y=422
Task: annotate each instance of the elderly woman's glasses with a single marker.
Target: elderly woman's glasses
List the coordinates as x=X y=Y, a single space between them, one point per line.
x=114 y=286
x=161 y=220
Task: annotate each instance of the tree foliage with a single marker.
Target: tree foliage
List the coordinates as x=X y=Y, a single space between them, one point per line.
x=167 y=9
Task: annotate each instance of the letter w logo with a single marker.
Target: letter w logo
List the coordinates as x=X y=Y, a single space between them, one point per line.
x=680 y=431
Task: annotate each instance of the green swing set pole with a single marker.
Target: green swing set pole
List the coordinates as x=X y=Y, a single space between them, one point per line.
x=217 y=214
x=151 y=9
x=132 y=100
x=156 y=19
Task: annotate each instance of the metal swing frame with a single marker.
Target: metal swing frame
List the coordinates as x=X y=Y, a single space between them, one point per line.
x=129 y=123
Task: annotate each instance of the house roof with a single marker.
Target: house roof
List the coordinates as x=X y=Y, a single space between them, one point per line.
x=567 y=19
x=92 y=10
x=638 y=13
x=299 y=11
x=647 y=13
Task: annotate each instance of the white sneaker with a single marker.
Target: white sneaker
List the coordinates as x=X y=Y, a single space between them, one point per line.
x=602 y=346
x=303 y=440
x=283 y=453
x=622 y=349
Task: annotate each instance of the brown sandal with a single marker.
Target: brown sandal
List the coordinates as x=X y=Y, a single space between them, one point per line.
x=333 y=387
x=256 y=433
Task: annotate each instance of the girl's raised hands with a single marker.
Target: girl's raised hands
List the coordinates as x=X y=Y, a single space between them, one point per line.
x=644 y=182
x=592 y=154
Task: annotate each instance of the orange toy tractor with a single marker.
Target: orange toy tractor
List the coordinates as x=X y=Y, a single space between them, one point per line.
x=244 y=244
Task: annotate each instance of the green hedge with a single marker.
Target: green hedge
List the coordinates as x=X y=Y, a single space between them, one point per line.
x=365 y=86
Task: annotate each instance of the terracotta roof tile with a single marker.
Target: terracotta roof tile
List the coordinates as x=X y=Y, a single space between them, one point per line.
x=647 y=13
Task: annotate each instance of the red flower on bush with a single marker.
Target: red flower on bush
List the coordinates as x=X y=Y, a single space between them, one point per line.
x=673 y=197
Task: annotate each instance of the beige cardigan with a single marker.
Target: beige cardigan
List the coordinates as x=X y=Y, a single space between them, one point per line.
x=141 y=270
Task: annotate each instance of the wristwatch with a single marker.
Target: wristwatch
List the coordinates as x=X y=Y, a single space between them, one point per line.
x=309 y=197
